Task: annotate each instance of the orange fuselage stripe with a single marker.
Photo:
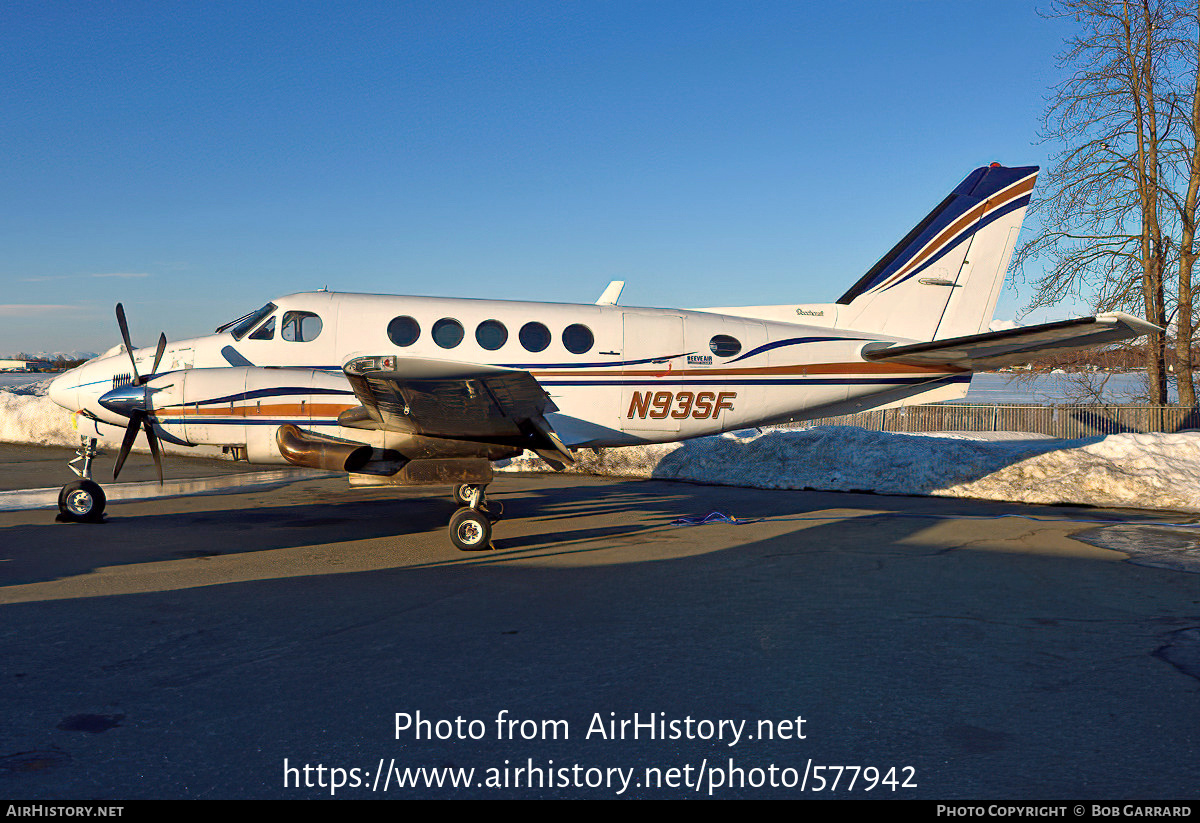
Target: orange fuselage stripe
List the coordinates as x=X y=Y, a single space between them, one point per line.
x=275 y=410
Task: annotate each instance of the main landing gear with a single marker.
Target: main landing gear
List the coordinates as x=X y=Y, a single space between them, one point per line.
x=471 y=525
x=82 y=500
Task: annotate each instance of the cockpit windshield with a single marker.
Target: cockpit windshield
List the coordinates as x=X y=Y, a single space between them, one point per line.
x=246 y=322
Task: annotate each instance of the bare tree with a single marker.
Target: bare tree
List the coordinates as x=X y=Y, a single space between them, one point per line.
x=1106 y=217
x=1184 y=323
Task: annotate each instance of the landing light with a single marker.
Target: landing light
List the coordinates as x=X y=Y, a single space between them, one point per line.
x=361 y=365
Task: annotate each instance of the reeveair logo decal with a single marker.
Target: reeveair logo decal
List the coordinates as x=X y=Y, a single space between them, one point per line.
x=702 y=406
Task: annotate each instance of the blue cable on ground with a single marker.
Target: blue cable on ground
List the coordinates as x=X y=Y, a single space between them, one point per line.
x=711 y=517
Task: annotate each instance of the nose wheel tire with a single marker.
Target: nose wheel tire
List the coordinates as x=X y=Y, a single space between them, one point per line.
x=470 y=531
x=81 y=501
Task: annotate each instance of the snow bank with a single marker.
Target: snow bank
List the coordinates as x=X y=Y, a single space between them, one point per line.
x=27 y=415
x=1133 y=470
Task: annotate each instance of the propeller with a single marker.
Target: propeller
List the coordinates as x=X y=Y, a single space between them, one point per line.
x=133 y=401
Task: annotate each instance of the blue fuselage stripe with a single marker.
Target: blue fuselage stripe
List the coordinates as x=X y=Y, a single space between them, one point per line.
x=812 y=381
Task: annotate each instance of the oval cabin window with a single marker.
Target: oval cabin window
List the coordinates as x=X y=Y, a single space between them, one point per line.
x=534 y=337
x=447 y=332
x=577 y=338
x=722 y=345
x=491 y=334
x=404 y=331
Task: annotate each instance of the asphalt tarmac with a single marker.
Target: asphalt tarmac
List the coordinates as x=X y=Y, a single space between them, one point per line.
x=275 y=643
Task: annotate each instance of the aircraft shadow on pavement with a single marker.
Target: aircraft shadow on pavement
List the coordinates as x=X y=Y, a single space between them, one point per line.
x=33 y=553
x=52 y=550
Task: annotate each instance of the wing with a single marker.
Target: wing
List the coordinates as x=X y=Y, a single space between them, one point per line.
x=1013 y=346
x=455 y=401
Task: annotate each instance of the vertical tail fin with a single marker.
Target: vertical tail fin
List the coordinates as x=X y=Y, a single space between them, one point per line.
x=943 y=279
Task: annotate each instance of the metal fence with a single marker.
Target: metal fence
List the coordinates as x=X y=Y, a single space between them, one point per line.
x=1065 y=421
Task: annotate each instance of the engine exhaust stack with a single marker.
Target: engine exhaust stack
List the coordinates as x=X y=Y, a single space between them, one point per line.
x=316 y=451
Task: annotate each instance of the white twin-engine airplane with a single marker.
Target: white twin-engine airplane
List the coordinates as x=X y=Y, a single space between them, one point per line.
x=421 y=390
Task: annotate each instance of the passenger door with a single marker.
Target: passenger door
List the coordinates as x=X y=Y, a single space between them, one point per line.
x=649 y=388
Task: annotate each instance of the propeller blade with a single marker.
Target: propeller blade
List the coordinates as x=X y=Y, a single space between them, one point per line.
x=125 y=338
x=158 y=353
x=131 y=431
x=152 y=439
x=140 y=418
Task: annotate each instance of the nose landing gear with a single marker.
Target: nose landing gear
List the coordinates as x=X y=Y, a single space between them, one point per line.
x=82 y=500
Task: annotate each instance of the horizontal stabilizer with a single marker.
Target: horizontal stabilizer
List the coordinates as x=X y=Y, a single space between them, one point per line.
x=1013 y=346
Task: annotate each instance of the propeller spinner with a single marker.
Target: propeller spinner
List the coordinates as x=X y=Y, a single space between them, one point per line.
x=133 y=401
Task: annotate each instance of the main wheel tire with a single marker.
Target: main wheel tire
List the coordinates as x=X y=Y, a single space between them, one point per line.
x=470 y=531
x=463 y=492
x=81 y=501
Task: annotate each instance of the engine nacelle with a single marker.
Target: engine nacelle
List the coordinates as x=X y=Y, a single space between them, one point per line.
x=244 y=407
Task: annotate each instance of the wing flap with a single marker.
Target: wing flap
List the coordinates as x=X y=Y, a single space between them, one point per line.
x=1014 y=346
x=452 y=400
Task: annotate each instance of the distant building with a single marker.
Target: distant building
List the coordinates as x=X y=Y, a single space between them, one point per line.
x=25 y=365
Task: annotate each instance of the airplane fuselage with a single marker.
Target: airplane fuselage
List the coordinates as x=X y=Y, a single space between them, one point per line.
x=432 y=391
x=617 y=375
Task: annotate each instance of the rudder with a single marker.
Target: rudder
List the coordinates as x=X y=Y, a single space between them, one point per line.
x=944 y=278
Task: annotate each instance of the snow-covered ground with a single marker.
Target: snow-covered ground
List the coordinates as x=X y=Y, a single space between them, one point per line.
x=27 y=415
x=1134 y=470
x=1124 y=470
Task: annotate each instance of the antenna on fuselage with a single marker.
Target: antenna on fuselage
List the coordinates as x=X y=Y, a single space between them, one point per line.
x=611 y=294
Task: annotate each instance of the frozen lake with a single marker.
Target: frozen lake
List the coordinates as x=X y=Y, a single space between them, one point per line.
x=13 y=379
x=1048 y=389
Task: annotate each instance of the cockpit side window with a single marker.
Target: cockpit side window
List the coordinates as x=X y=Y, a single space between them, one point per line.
x=264 y=332
x=239 y=327
x=300 y=326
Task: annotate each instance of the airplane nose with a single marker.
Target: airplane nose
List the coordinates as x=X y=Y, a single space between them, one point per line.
x=64 y=391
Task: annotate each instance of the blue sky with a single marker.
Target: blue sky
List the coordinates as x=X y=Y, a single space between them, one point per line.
x=194 y=159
